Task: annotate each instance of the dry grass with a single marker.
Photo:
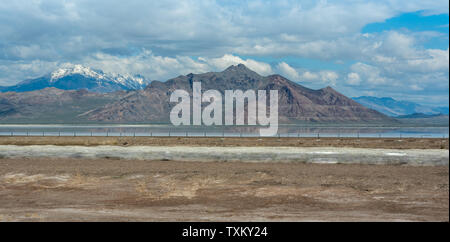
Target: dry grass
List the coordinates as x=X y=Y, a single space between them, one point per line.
x=165 y=187
x=42 y=181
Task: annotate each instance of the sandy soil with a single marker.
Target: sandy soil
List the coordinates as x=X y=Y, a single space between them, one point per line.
x=385 y=143
x=51 y=189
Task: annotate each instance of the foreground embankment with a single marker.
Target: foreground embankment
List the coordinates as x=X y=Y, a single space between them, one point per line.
x=69 y=189
x=382 y=143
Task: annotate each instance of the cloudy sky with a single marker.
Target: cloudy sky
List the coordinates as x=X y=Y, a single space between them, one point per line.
x=378 y=48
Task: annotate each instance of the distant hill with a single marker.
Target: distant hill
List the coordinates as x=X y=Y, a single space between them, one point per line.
x=79 y=77
x=393 y=108
x=421 y=115
x=425 y=119
x=51 y=105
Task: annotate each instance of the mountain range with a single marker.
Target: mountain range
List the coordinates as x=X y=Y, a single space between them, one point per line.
x=80 y=77
x=394 y=108
x=296 y=104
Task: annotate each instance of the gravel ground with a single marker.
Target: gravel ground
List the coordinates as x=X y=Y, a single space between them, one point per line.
x=77 y=189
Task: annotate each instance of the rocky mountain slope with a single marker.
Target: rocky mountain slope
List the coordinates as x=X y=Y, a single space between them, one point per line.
x=296 y=103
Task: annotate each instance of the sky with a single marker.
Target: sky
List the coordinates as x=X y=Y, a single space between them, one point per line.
x=397 y=49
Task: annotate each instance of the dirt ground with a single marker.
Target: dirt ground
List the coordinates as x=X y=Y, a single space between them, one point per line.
x=385 y=143
x=51 y=189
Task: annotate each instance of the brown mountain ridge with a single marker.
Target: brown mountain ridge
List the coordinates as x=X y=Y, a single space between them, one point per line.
x=296 y=102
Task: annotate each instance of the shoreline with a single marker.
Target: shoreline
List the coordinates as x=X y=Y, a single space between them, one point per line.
x=381 y=143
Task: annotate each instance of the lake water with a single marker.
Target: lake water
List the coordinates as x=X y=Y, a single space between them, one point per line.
x=219 y=131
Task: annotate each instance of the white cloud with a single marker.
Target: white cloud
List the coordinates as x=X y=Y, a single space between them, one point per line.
x=227 y=60
x=329 y=77
x=162 y=68
x=398 y=44
x=370 y=74
x=432 y=60
x=353 y=79
x=416 y=87
x=74 y=29
x=284 y=69
x=12 y=72
x=309 y=76
x=321 y=78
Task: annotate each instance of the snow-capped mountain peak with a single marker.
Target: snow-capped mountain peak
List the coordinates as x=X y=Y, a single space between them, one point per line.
x=70 y=77
x=76 y=69
x=127 y=80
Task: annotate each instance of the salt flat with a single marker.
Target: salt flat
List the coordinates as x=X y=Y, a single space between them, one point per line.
x=343 y=155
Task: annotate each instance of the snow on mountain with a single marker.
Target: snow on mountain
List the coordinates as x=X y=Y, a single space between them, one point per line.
x=76 y=69
x=132 y=82
x=71 y=77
